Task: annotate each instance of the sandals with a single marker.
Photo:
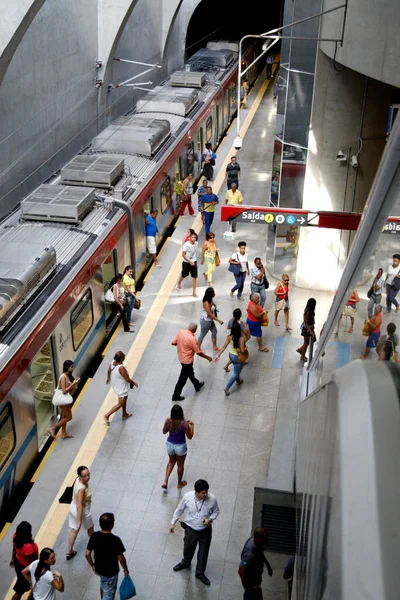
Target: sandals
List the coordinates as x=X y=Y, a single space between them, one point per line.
x=127 y=416
x=181 y=484
x=227 y=369
x=106 y=421
x=70 y=555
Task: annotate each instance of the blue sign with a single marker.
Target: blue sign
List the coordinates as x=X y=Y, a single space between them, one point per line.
x=291 y=220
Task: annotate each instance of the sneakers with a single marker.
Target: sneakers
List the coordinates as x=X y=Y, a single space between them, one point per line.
x=227 y=392
x=200 y=386
x=178 y=399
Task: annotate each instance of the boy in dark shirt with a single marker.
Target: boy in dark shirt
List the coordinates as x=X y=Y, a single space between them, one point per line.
x=108 y=551
x=252 y=565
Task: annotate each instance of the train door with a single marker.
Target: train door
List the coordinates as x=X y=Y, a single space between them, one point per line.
x=108 y=272
x=217 y=125
x=200 y=146
x=44 y=382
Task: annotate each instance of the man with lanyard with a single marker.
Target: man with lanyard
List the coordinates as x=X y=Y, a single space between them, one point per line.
x=202 y=190
x=151 y=233
x=252 y=565
x=210 y=200
x=232 y=174
x=233 y=197
x=392 y=284
x=201 y=510
x=258 y=279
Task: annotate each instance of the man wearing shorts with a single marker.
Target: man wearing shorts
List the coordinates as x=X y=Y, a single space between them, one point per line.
x=151 y=233
x=108 y=552
x=189 y=264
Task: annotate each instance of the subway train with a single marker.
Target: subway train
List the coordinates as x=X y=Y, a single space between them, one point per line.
x=348 y=486
x=69 y=238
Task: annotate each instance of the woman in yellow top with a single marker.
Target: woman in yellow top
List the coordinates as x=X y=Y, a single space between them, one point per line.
x=130 y=290
x=79 y=509
x=209 y=253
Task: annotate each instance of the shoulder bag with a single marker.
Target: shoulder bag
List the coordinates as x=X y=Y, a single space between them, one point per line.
x=66 y=496
x=109 y=295
x=235 y=269
x=137 y=303
x=217 y=260
x=243 y=356
x=370 y=291
x=61 y=399
x=396 y=283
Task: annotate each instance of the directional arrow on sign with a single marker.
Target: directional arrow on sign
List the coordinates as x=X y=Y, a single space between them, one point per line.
x=301 y=220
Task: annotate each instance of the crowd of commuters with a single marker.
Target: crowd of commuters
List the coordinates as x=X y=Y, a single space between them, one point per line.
x=105 y=551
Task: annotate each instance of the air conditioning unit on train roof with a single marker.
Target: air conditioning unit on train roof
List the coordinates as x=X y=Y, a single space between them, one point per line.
x=93 y=171
x=58 y=203
x=213 y=58
x=133 y=135
x=224 y=45
x=188 y=79
x=168 y=100
x=22 y=268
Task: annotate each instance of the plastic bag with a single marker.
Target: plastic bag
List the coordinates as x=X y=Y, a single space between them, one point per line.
x=265 y=319
x=127 y=588
x=366 y=329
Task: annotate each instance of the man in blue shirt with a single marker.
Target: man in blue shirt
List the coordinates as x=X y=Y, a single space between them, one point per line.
x=252 y=565
x=209 y=200
x=151 y=232
x=202 y=190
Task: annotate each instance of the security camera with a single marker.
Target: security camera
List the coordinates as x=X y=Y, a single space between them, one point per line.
x=237 y=142
x=354 y=161
x=341 y=156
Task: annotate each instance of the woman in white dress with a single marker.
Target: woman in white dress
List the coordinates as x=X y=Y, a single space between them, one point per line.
x=120 y=381
x=79 y=509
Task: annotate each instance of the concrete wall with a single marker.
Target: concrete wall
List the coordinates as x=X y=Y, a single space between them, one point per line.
x=57 y=50
x=371 y=42
x=347 y=106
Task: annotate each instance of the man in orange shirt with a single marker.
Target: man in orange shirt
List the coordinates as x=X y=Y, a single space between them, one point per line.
x=187 y=347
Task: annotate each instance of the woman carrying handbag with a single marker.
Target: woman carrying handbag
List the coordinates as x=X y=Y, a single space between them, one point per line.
x=63 y=398
x=116 y=295
x=282 y=300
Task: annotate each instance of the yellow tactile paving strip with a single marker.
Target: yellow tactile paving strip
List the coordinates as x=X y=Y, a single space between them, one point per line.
x=54 y=520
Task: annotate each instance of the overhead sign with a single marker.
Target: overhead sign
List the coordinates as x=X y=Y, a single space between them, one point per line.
x=392 y=227
x=264 y=215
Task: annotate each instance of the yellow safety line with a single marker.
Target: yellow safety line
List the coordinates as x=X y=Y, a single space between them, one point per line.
x=4 y=531
x=57 y=513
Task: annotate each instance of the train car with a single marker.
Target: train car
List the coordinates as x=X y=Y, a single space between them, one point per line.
x=348 y=485
x=69 y=238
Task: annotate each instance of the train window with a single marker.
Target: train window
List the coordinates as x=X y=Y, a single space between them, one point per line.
x=82 y=319
x=8 y=437
x=209 y=129
x=165 y=194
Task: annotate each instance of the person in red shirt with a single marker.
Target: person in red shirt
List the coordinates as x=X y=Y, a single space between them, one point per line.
x=187 y=347
x=375 y=324
x=24 y=552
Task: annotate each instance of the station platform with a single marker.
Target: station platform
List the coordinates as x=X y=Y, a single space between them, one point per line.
x=233 y=437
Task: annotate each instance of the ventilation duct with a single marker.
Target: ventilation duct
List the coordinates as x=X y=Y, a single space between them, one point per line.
x=93 y=171
x=188 y=79
x=168 y=100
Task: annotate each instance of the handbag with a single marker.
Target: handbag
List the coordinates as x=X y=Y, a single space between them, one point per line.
x=366 y=329
x=61 y=399
x=349 y=311
x=127 y=588
x=243 y=356
x=217 y=260
x=396 y=283
x=66 y=496
x=109 y=295
x=266 y=283
x=137 y=303
x=280 y=304
x=370 y=291
x=235 y=269
x=265 y=319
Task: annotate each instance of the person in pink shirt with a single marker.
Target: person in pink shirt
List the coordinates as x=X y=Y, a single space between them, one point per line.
x=187 y=347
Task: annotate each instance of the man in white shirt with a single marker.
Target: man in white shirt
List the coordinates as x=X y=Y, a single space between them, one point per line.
x=201 y=510
x=189 y=264
x=393 y=284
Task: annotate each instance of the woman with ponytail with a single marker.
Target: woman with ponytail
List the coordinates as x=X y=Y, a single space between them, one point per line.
x=237 y=354
x=25 y=551
x=42 y=580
